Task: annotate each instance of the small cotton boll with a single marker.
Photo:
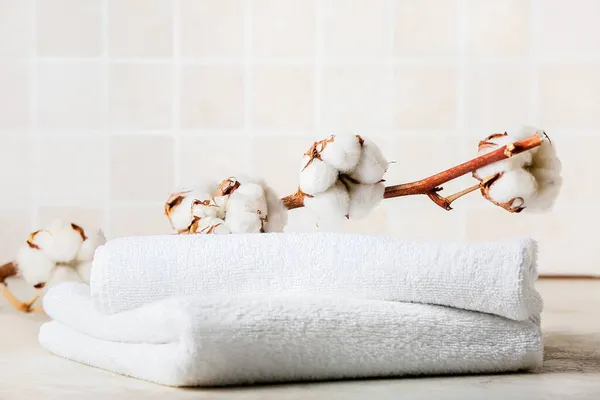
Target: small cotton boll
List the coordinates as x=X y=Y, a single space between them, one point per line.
x=88 y=247
x=35 y=267
x=60 y=242
x=316 y=176
x=364 y=198
x=514 y=185
x=276 y=211
x=341 y=151
x=332 y=204
x=209 y=226
x=244 y=222
x=372 y=165
x=494 y=142
x=546 y=169
x=178 y=208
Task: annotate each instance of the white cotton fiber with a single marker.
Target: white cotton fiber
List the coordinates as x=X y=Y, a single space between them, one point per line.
x=94 y=239
x=35 y=266
x=60 y=242
x=341 y=151
x=332 y=204
x=513 y=185
x=316 y=176
x=364 y=198
x=372 y=165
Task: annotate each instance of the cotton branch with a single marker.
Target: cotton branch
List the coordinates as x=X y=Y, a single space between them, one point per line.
x=431 y=186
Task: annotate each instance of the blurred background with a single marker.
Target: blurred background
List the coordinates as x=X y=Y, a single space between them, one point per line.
x=107 y=106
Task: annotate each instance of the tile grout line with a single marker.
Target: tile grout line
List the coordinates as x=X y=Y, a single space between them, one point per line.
x=317 y=70
x=34 y=134
x=175 y=92
x=107 y=144
x=248 y=79
x=463 y=66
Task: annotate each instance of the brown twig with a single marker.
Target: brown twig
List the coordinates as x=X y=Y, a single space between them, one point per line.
x=430 y=186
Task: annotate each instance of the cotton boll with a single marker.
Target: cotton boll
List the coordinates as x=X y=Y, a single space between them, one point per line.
x=95 y=239
x=178 y=208
x=316 y=176
x=516 y=184
x=244 y=222
x=364 y=198
x=546 y=168
x=494 y=142
x=341 y=151
x=332 y=204
x=209 y=225
x=372 y=165
x=60 y=242
x=35 y=267
x=276 y=210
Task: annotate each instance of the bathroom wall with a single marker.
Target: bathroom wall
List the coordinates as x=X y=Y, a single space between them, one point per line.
x=106 y=106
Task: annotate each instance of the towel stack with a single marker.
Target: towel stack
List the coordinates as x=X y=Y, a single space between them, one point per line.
x=203 y=310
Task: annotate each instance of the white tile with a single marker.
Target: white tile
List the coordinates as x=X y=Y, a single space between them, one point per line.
x=15 y=83
x=140 y=28
x=71 y=95
x=16 y=28
x=140 y=96
x=70 y=28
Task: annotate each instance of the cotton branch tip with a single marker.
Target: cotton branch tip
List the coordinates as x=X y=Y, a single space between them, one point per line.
x=528 y=181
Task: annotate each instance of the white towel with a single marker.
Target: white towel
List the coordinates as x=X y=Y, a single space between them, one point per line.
x=496 y=278
x=224 y=340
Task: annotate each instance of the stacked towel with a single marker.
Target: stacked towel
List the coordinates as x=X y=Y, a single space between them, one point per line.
x=219 y=310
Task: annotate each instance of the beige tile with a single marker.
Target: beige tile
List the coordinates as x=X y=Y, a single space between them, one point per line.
x=140 y=28
x=141 y=168
x=212 y=97
x=16 y=23
x=70 y=28
x=426 y=27
x=212 y=29
x=283 y=28
x=578 y=156
x=418 y=218
x=140 y=96
x=72 y=171
x=355 y=29
x=71 y=95
x=138 y=221
x=87 y=218
x=15 y=171
x=579 y=33
x=497 y=98
x=14 y=96
x=376 y=223
x=569 y=96
x=499 y=28
x=277 y=159
x=282 y=97
x=355 y=97
x=15 y=226
x=213 y=158
x=566 y=237
x=425 y=97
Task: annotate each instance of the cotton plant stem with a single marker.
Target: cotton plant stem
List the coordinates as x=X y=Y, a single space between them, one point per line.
x=430 y=186
x=445 y=202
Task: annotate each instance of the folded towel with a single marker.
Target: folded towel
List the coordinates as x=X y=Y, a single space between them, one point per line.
x=496 y=278
x=220 y=340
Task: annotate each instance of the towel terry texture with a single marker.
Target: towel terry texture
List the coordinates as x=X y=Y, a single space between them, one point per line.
x=205 y=310
x=495 y=278
x=225 y=340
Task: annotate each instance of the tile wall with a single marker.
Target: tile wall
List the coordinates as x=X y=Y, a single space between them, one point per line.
x=106 y=106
